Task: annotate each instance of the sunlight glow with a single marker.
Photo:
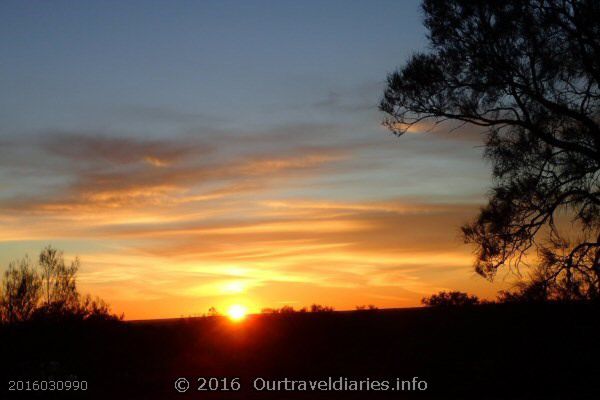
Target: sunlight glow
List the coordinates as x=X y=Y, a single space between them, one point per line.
x=234 y=287
x=237 y=312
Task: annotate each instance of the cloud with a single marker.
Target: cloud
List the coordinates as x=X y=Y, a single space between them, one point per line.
x=104 y=172
x=101 y=150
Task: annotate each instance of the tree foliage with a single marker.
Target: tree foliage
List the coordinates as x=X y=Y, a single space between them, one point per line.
x=450 y=299
x=528 y=72
x=58 y=279
x=20 y=291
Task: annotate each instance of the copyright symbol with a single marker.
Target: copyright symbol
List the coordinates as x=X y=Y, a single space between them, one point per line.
x=182 y=385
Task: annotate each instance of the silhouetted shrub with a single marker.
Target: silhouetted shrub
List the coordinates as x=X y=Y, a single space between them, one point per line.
x=212 y=312
x=286 y=310
x=318 y=308
x=369 y=307
x=450 y=299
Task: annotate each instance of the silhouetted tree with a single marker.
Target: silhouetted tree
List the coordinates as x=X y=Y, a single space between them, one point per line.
x=20 y=291
x=23 y=287
x=59 y=280
x=450 y=299
x=529 y=73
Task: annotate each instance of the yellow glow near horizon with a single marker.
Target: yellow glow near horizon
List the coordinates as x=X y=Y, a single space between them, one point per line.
x=237 y=312
x=376 y=252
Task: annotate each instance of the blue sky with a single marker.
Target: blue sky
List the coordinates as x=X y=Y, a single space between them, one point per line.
x=252 y=64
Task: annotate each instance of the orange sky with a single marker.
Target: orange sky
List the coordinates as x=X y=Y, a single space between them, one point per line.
x=151 y=263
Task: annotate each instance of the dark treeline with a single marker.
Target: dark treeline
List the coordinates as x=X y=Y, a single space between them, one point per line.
x=491 y=351
x=314 y=308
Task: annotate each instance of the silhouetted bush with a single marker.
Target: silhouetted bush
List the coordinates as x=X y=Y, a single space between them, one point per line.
x=212 y=312
x=316 y=308
x=450 y=299
x=369 y=307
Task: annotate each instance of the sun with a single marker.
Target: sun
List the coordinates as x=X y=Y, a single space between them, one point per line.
x=237 y=312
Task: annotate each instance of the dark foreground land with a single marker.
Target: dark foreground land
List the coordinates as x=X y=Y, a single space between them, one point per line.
x=494 y=351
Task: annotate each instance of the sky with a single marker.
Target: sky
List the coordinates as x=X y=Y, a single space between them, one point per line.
x=197 y=154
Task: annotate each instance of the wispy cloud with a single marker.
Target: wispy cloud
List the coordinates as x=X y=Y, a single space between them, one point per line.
x=102 y=172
